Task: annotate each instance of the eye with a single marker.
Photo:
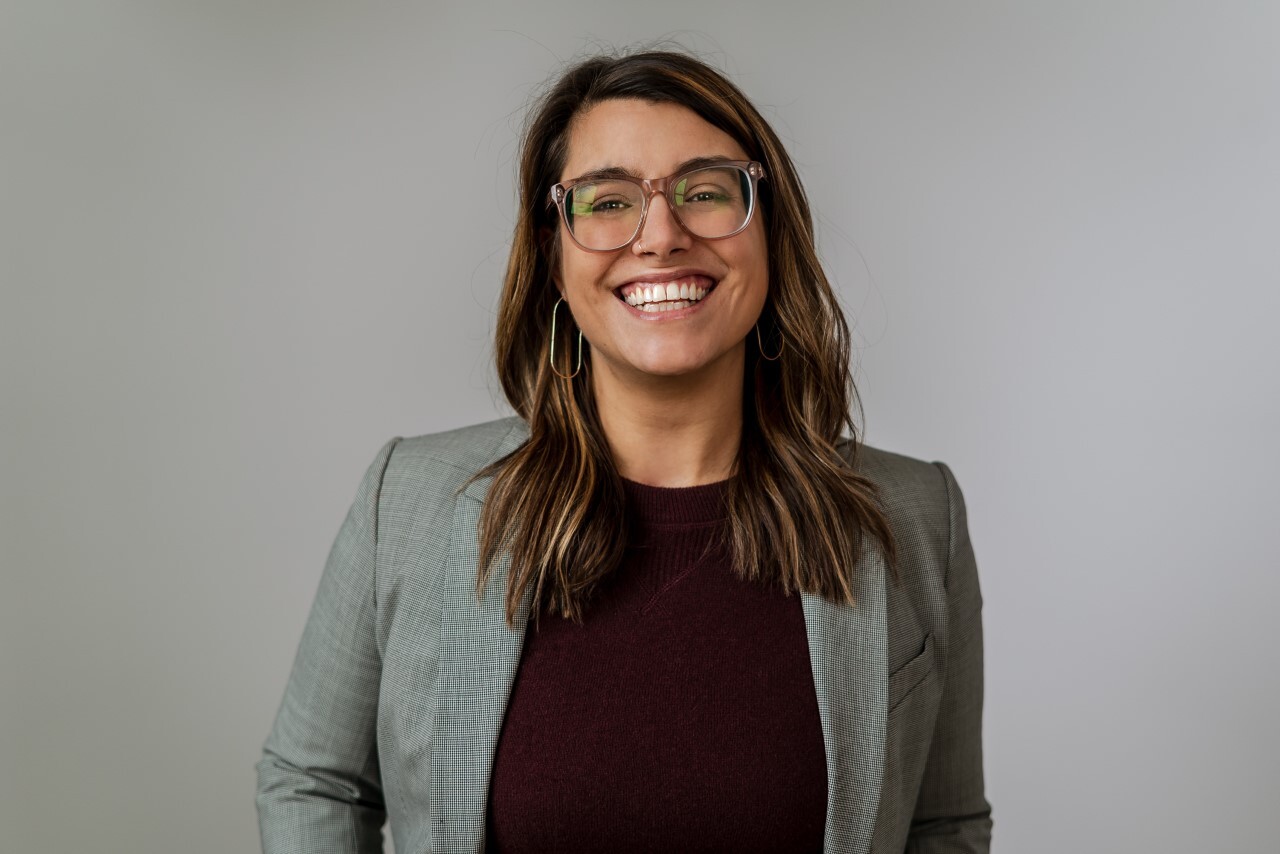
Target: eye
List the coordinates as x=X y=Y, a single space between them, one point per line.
x=604 y=199
x=707 y=195
x=715 y=188
x=610 y=205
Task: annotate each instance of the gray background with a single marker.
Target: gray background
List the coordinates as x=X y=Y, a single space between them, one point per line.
x=243 y=243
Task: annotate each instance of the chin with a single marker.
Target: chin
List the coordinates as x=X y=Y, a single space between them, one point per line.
x=675 y=367
x=674 y=370
x=672 y=361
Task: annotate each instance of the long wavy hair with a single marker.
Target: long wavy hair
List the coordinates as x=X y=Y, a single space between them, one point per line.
x=799 y=512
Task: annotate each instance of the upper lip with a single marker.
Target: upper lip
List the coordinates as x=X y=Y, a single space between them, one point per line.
x=665 y=276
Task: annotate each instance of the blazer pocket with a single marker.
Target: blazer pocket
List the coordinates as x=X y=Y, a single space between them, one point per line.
x=910 y=675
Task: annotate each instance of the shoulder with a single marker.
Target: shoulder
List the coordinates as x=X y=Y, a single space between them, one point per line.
x=413 y=486
x=903 y=480
x=463 y=449
x=431 y=468
x=916 y=495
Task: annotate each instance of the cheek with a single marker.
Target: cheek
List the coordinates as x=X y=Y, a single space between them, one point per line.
x=752 y=258
x=572 y=273
x=575 y=280
x=581 y=277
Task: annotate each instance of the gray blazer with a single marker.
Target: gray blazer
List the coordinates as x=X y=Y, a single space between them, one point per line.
x=397 y=694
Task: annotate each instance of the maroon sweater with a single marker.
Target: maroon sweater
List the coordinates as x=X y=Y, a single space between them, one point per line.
x=680 y=717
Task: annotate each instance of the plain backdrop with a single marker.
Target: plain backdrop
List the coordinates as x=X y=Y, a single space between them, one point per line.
x=244 y=243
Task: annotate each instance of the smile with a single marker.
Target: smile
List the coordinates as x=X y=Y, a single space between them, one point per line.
x=655 y=297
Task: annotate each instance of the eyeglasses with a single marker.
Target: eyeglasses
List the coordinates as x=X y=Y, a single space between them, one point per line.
x=604 y=214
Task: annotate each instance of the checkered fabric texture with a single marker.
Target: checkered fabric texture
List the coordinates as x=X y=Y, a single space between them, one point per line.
x=395 y=700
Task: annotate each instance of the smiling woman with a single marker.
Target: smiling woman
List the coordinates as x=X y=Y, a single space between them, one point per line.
x=697 y=234
x=723 y=622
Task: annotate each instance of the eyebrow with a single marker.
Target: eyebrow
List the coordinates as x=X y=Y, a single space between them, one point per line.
x=607 y=172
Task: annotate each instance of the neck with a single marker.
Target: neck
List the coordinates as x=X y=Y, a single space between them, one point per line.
x=673 y=431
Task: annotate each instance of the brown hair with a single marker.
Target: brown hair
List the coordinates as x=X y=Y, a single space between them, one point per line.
x=798 y=510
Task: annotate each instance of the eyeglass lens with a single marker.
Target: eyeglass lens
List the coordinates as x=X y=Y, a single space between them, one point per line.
x=712 y=202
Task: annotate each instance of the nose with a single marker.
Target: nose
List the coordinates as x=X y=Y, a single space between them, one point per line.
x=661 y=235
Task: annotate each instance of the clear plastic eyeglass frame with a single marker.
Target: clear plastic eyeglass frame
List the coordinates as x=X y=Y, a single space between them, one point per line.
x=753 y=169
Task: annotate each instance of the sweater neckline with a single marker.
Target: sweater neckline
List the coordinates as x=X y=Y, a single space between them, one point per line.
x=676 y=505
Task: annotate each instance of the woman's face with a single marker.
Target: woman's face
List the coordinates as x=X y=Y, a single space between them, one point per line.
x=650 y=140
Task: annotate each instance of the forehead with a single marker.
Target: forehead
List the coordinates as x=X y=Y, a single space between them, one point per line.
x=644 y=138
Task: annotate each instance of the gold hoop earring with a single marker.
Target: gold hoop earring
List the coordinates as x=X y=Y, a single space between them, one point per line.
x=782 y=345
x=552 y=359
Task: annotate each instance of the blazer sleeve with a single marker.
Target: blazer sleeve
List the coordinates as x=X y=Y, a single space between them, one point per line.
x=952 y=815
x=319 y=786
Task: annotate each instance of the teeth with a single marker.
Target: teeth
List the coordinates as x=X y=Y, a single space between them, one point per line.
x=658 y=307
x=665 y=297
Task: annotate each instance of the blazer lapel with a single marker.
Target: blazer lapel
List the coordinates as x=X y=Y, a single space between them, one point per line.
x=479 y=655
x=849 y=656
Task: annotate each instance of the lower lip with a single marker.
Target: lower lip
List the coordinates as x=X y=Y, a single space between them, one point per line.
x=666 y=315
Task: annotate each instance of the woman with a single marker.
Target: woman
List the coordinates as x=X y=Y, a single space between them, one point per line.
x=711 y=622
